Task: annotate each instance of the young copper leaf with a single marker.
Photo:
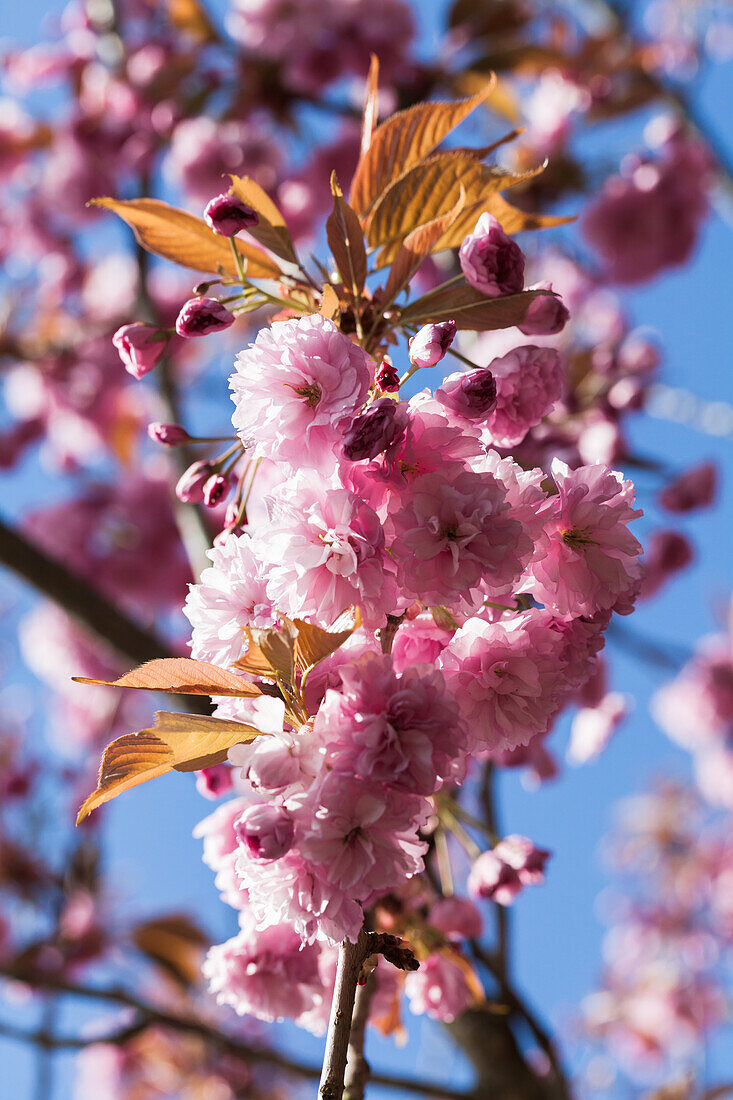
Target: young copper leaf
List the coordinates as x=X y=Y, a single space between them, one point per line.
x=403 y=140
x=184 y=742
x=432 y=189
x=186 y=240
x=254 y=660
x=278 y=648
x=330 y=306
x=175 y=943
x=346 y=241
x=181 y=676
x=271 y=230
x=470 y=309
x=371 y=105
x=416 y=246
x=514 y=220
x=313 y=644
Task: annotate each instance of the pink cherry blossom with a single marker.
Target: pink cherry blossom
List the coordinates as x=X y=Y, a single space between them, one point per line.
x=593 y=727
x=452 y=534
x=361 y=838
x=325 y=551
x=268 y=973
x=231 y=595
x=401 y=731
x=439 y=989
x=457 y=918
x=529 y=380
x=296 y=389
x=592 y=561
x=294 y=891
x=267 y=831
x=508 y=677
x=221 y=845
x=418 y=642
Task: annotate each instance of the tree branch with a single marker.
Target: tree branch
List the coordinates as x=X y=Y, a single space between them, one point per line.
x=350 y=961
x=151 y=1014
x=83 y=603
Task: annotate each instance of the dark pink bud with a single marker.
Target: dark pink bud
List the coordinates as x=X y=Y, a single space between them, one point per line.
x=215 y=489
x=372 y=432
x=227 y=215
x=170 y=435
x=140 y=346
x=491 y=261
x=200 y=316
x=471 y=395
x=190 y=487
x=214 y=782
x=546 y=315
x=666 y=553
x=696 y=488
x=266 y=831
x=387 y=377
x=431 y=343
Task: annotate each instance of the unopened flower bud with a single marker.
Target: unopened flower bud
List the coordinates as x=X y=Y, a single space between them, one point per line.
x=546 y=314
x=431 y=343
x=387 y=377
x=470 y=394
x=491 y=261
x=214 y=782
x=140 y=347
x=372 y=432
x=227 y=215
x=696 y=488
x=215 y=489
x=200 y=316
x=190 y=487
x=266 y=831
x=170 y=435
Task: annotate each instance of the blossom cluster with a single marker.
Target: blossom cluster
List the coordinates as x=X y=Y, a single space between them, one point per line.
x=475 y=593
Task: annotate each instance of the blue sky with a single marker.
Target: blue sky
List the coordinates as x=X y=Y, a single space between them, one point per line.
x=556 y=933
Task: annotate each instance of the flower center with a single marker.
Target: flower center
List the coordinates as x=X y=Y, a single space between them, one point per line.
x=311 y=393
x=576 y=538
